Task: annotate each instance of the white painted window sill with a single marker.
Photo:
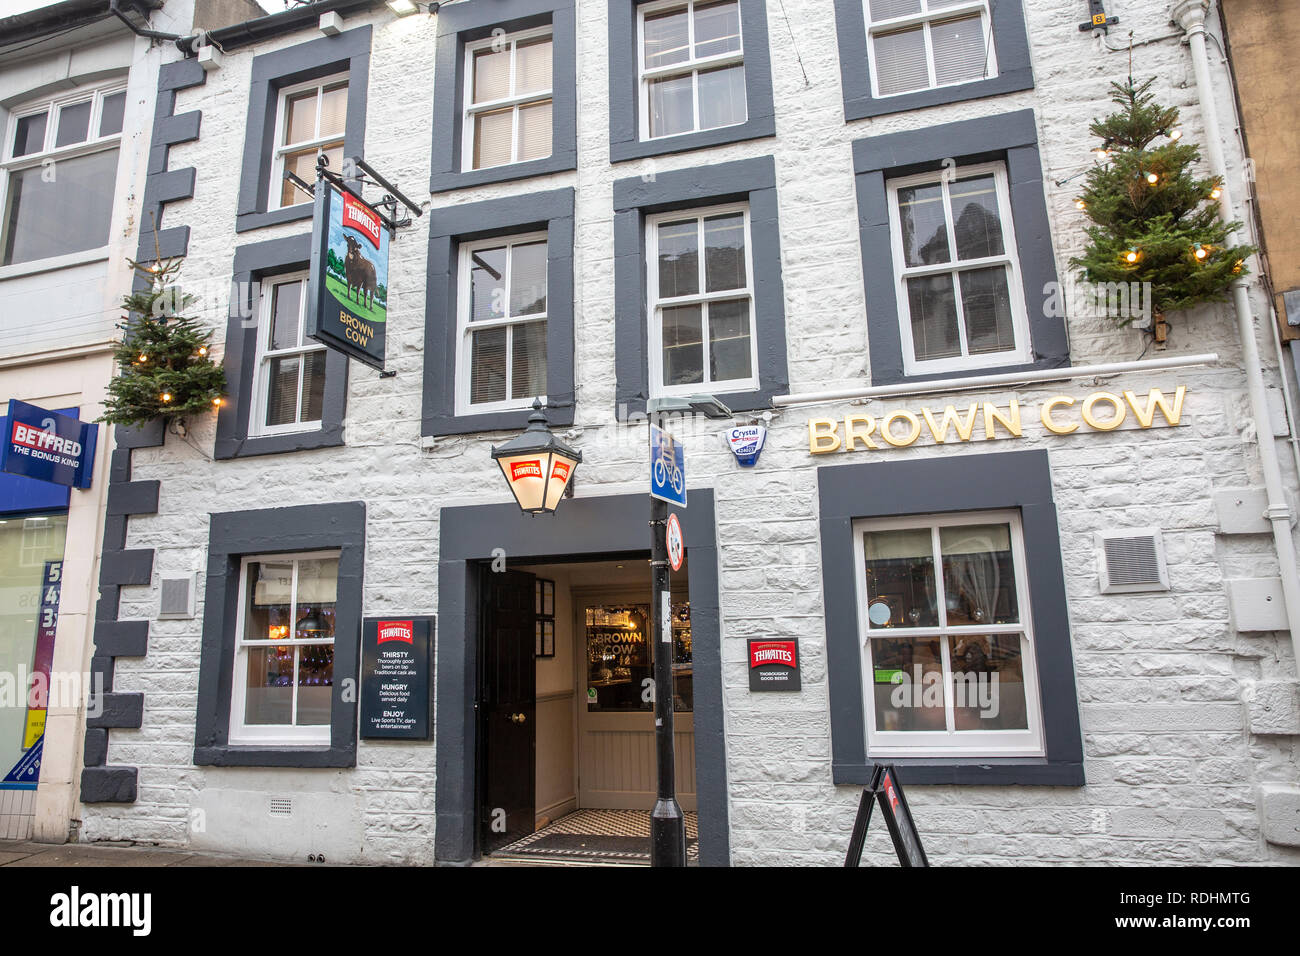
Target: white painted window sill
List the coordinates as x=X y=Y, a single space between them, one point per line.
x=53 y=262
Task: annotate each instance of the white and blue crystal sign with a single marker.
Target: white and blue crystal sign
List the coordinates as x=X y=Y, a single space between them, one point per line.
x=746 y=442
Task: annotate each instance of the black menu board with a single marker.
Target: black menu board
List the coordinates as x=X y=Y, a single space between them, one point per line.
x=396 y=677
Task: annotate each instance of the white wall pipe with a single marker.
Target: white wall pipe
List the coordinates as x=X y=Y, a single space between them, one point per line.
x=1190 y=16
x=996 y=381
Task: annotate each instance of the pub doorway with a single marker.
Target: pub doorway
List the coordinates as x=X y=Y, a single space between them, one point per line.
x=566 y=741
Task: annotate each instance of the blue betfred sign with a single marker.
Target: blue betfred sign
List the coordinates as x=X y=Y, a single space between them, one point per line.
x=667 y=468
x=41 y=444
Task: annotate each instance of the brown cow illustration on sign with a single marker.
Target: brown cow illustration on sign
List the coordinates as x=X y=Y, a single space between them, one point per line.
x=360 y=273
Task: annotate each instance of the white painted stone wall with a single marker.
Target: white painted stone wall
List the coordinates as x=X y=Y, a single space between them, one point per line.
x=1172 y=769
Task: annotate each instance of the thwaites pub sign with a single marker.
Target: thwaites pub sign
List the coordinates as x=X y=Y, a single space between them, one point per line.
x=773 y=665
x=45 y=445
x=396 y=655
x=348 y=295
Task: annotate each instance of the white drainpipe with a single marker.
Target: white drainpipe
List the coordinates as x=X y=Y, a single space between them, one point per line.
x=1190 y=16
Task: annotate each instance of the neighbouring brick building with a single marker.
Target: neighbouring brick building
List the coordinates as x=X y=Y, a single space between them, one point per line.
x=884 y=193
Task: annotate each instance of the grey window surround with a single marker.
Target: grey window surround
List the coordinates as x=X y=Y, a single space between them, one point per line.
x=452 y=225
x=233 y=536
x=253 y=262
x=1010 y=44
x=747 y=180
x=585 y=528
x=1010 y=138
x=347 y=52
x=462 y=23
x=625 y=95
x=944 y=484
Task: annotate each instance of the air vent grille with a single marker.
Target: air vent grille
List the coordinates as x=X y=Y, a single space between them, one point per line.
x=1132 y=560
x=176 y=596
x=281 y=807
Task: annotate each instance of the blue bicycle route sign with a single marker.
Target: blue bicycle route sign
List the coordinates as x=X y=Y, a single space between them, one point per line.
x=667 y=467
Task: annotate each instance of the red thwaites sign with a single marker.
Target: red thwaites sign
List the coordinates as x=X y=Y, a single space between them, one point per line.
x=357 y=215
x=774 y=665
x=396 y=631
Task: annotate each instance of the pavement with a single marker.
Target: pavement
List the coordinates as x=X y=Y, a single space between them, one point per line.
x=27 y=853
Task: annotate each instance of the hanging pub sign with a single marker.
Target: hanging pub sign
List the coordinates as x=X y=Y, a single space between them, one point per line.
x=774 y=665
x=395 y=677
x=45 y=445
x=348 y=284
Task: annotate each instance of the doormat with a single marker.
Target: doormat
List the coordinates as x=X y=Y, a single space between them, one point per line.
x=622 y=835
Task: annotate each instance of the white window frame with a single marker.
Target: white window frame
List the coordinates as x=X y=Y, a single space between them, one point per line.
x=692 y=66
x=94 y=143
x=654 y=324
x=272 y=734
x=966 y=743
x=470 y=109
x=257 y=426
x=1010 y=257
x=280 y=149
x=465 y=328
x=924 y=19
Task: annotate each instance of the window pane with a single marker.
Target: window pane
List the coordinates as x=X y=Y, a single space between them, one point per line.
x=300 y=117
x=987 y=301
x=334 y=111
x=975 y=218
x=74 y=124
x=533 y=66
x=722 y=97
x=900 y=576
x=717 y=28
x=286 y=308
x=979 y=579
x=925 y=229
x=269 y=600
x=30 y=134
x=988 y=683
x=667 y=39
x=313 y=386
x=492 y=132
x=110 y=114
x=334 y=154
x=67 y=214
x=959 y=53
x=528 y=279
x=318 y=588
x=907 y=677
x=487 y=284
x=679 y=259
x=934 y=317
x=884 y=9
x=268 y=695
x=535 y=131
x=724 y=252
x=487 y=379
x=303 y=165
x=528 y=360
x=491 y=74
x=671 y=108
x=729 y=344
x=900 y=61
x=282 y=390
x=683 y=346
x=315 y=683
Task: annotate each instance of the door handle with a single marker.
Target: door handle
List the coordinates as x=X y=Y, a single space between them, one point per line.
x=518 y=718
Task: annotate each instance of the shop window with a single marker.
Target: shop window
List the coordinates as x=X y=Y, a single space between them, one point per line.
x=290 y=383
x=59 y=175
x=692 y=67
x=947 y=638
x=310 y=122
x=508 y=101
x=502 y=317
x=701 y=301
x=957 y=270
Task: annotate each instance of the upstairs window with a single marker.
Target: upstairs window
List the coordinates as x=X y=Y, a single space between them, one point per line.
x=60 y=175
x=508 y=99
x=289 y=388
x=923 y=44
x=692 y=67
x=310 y=120
x=961 y=298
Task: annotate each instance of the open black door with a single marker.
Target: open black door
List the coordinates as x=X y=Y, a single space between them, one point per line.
x=507 y=697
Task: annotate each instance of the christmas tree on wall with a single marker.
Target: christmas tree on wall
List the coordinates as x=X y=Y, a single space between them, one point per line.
x=164 y=367
x=1153 y=219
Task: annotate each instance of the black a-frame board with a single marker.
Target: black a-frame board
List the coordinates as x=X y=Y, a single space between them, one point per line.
x=885 y=789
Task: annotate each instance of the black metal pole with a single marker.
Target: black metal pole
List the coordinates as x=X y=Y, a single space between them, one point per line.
x=667 y=825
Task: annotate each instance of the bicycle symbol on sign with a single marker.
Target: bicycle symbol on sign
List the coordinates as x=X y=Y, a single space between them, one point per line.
x=666 y=471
